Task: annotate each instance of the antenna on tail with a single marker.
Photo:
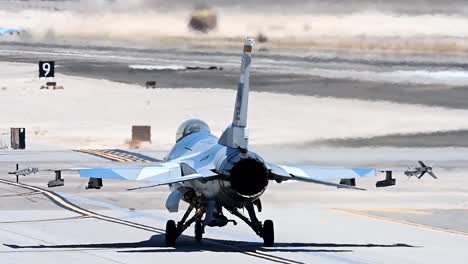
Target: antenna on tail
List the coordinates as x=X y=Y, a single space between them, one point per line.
x=236 y=135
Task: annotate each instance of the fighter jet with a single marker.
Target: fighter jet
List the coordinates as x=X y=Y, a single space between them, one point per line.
x=214 y=175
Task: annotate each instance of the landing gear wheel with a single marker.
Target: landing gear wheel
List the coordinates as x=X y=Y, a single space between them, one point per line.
x=199 y=231
x=268 y=233
x=171 y=233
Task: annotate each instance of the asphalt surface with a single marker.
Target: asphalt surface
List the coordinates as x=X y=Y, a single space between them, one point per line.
x=323 y=74
x=413 y=222
x=293 y=73
x=455 y=138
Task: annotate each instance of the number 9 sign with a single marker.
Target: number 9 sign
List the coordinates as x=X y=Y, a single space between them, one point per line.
x=46 y=69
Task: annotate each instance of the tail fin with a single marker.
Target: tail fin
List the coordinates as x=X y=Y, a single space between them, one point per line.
x=236 y=135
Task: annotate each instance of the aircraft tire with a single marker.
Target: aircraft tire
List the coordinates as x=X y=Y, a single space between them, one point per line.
x=198 y=231
x=171 y=233
x=268 y=233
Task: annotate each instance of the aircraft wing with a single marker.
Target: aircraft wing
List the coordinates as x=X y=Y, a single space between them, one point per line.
x=161 y=174
x=319 y=175
x=191 y=177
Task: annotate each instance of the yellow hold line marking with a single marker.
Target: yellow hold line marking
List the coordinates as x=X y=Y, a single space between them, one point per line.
x=107 y=155
x=115 y=156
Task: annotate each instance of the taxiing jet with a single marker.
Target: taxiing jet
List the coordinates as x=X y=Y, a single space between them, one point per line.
x=214 y=175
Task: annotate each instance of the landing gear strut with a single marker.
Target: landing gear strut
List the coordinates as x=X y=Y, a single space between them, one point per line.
x=265 y=230
x=173 y=231
x=215 y=217
x=202 y=207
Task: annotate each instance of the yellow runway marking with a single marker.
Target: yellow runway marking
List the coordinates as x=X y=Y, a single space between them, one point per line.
x=386 y=219
x=117 y=155
x=398 y=211
x=106 y=155
x=72 y=207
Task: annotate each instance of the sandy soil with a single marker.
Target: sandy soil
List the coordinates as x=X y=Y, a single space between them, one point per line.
x=317 y=24
x=100 y=113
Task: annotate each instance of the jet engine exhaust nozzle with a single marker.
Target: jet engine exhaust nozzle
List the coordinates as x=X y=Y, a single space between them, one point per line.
x=246 y=178
x=249 y=177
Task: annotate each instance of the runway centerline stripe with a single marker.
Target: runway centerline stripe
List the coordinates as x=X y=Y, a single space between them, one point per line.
x=64 y=203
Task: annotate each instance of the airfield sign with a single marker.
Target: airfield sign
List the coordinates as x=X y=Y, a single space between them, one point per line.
x=46 y=69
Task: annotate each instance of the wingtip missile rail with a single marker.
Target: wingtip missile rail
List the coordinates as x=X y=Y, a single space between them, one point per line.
x=419 y=172
x=23 y=172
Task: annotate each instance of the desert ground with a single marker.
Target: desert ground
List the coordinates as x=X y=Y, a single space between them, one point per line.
x=328 y=88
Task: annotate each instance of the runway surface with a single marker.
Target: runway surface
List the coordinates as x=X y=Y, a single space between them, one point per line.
x=413 y=222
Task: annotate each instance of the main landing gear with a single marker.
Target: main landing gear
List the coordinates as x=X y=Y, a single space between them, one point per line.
x=268 y=233
x=171 y=233
x=215 y=217
x=265 y=230
x=199 y=230
x=173 y=230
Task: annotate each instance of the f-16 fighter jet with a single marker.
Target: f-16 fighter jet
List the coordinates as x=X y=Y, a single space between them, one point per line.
x=214 y=175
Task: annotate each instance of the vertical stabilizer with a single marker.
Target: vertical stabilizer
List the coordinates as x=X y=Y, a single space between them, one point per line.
x=236 y=135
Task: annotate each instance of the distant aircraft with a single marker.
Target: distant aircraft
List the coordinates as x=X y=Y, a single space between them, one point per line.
x=9 y=31
x=212 y=174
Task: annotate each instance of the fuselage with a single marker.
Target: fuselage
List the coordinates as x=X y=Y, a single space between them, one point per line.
x=244 y=176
